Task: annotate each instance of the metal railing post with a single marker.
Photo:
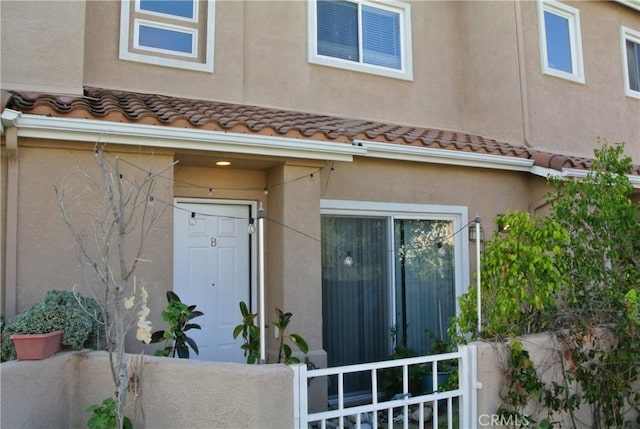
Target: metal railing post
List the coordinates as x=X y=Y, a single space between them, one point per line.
x=300 y=396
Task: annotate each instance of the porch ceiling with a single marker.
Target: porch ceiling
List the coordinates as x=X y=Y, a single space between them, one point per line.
x=191 y=159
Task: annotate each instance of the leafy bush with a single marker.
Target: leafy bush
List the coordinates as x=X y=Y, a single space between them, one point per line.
x=391 y=378
x=575 y=272
x=103 y=416
x=178 y=315
x=522 y=275
x=251 y=337
x=80 y=317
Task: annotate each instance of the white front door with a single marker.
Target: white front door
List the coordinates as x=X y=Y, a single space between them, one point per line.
x=211 y=270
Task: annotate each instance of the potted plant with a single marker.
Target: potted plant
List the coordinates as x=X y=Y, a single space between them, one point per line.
x=251 y=337
x=445 y=369
x=78 y=317
x=104 y=416
x=391 y=378
x=178 y=315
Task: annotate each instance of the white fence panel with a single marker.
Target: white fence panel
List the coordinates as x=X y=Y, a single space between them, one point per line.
x=454 y=408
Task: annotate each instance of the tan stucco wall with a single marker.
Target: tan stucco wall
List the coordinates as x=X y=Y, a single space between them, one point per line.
x=47 y=255
x=176 y=393
x=249 y=69
x=484 y=191
x=104 y=69
x=42 y=45
x=293 y=262
x=492 y=104
x=476 y=68
x=3 y=224
x=546 y=351
x=237 y=184
x=566 y=116
x=181 y=393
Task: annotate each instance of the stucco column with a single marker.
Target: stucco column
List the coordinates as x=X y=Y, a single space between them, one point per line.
x=293 y=234
x=11 y=224
x=294 y=282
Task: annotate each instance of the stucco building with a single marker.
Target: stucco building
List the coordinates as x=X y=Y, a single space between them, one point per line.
x=371 y=132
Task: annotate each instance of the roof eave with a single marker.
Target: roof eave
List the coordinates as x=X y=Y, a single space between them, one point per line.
x=444 y=156
x=575 y=173
x=96 y=131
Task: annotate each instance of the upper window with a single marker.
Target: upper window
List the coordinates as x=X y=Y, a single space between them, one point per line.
x=172 y=33
x=631 y=61
x=560 y=41
x=369 y=36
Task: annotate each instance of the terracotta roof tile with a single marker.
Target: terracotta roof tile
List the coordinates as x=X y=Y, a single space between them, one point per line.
x=124 y=106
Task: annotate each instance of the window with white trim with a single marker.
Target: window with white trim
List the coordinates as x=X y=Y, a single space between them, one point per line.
x=560 y=40
x=631 y=61
x=171 y=33
x=362 y=35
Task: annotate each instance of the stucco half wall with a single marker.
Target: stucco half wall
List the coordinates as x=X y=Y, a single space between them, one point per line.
x=176 y=393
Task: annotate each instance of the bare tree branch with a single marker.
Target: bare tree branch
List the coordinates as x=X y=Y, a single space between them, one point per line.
x=120 y=223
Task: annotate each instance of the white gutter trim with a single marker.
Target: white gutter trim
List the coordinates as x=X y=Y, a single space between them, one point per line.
x=443 y=156
x=576 y=173
x=633 y=4
x=89 y=130
x=580 y=174
x=545 y=172
x=9 y=118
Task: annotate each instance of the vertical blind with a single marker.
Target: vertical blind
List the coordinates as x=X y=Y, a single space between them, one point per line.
x=357 y=305
x=355 y=299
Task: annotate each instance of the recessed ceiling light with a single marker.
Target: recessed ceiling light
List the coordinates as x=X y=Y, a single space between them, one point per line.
x=223 y=163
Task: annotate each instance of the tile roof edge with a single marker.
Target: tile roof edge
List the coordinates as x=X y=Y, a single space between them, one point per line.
x=108 y=104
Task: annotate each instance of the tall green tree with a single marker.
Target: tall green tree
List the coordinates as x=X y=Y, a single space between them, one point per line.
x=575 y=272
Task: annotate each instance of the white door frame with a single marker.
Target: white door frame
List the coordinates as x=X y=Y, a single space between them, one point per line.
x=253 y=251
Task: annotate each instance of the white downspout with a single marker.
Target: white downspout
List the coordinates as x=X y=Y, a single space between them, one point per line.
x=524 y=99
x=261 y=297
x=478 y=291
x=9 y=119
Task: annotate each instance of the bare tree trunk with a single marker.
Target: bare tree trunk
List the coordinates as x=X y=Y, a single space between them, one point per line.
x=126 y=209
x=121 y=359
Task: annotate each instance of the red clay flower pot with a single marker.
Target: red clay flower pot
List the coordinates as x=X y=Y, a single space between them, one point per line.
x=37 y=346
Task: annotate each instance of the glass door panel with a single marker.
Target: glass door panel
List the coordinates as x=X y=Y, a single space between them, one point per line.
x=424 y=281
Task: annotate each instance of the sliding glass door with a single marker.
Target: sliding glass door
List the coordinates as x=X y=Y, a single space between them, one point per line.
x=387 y=281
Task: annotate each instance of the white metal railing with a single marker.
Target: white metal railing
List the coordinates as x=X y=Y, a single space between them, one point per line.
x=455 y=408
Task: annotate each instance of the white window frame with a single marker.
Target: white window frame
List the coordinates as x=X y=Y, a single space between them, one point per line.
x=190 y=59
x=575 y=39
x=628 y=34
x=405 y=71
x=162 y=26
x=458 y=215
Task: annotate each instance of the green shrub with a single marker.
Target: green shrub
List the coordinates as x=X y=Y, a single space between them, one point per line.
x=103 y=416
x=80 y=317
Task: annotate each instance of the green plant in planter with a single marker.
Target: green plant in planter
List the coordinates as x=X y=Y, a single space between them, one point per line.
x=103 y=416
x=251 y=336
x=285 y=351
x=391 y=378
x=447 y=376
x=178 y=315
x=79 y=316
